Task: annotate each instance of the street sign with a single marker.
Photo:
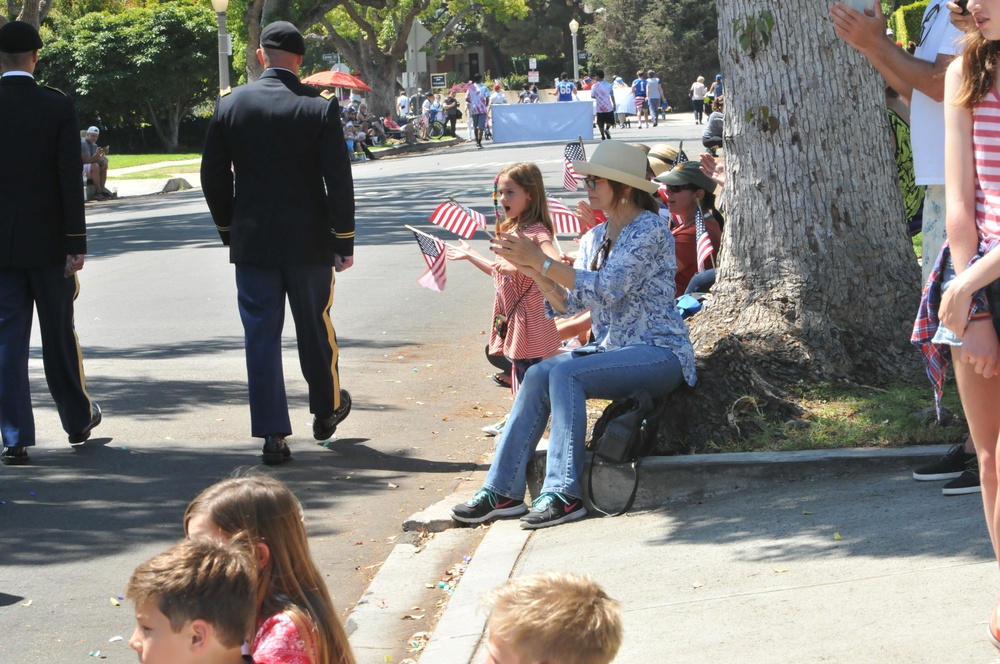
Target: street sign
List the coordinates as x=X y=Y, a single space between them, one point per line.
x=331 y=57
x=532 y=77
x=439 y=80
x=532 y=63
x=584 y=55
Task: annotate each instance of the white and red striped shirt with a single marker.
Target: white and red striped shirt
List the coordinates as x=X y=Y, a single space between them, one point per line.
x=986 y=143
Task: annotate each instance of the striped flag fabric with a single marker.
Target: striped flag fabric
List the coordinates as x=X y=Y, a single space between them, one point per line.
x=681 y=156
x=434 y=254
x=573 y=152
x=458 y=219
x=564 y=220
x=704 y=242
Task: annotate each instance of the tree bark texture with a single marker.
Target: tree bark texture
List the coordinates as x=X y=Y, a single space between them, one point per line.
x=817 y=279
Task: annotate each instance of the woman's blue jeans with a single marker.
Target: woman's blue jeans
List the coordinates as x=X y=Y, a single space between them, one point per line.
x=561 y=386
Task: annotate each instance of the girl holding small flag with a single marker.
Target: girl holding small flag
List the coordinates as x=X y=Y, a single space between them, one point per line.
x=520 y=331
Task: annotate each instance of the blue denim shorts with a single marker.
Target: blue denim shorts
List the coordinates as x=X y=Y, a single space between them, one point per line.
x=943 y=334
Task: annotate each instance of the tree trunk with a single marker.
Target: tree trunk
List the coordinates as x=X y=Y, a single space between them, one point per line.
x=817 y=278
x=379 y=68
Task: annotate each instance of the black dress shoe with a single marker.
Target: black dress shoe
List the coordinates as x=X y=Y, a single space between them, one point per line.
x=324 y=427
x=95 y=419
x=14 y=456
x=275 y=450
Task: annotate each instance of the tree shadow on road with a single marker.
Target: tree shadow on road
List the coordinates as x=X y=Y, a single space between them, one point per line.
x=78 y=504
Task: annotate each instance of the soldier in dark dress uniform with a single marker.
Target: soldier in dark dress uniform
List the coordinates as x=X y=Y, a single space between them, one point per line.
x=287 y=216
x=43 y=239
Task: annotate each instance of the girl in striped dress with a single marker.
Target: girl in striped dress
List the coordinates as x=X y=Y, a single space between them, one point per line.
x=520 y=329
x=968 y=269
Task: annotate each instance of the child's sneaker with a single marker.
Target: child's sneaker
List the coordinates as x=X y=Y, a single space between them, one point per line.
x=487 y=505
x=495 y=429
x=551 y=509
x=994 y=627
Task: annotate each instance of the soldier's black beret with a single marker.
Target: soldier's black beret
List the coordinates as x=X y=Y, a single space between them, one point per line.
x=283 y=36
x=19 y=37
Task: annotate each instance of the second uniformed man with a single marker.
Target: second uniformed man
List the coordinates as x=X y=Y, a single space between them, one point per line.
x=277 y=178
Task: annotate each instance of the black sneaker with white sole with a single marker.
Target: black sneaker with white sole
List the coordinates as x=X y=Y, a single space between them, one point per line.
x=551 y=509
x=948 y=467
x=487 y=505
x=967 y=482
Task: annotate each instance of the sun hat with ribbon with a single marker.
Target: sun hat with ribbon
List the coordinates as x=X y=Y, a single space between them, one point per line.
x=619 y=162
x=661 y=158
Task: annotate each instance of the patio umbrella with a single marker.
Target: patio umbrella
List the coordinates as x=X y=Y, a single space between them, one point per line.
x=336 y=79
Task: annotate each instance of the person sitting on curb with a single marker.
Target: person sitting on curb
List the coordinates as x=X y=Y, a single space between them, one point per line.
x=624 y=274
x=95 y=157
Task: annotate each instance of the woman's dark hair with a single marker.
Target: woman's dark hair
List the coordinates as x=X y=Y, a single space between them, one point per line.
x=636 y=196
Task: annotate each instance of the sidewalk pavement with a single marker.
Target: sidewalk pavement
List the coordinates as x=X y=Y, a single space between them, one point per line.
x=836 y=556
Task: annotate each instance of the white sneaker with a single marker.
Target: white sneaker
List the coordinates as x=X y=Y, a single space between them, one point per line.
x=495 y=429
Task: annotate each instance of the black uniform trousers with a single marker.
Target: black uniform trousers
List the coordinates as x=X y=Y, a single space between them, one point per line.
x=261 y=295
x=52 y=294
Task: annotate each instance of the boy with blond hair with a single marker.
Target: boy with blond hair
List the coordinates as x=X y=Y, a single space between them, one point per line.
x=194 y=604
x=553 y=618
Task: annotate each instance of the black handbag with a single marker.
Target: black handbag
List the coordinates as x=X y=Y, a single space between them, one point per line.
x=623 y=434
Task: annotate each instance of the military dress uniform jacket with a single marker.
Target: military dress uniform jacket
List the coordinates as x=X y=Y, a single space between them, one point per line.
x=41 y=205
x=293 y=199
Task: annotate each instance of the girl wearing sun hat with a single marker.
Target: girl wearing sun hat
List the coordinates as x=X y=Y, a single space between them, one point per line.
x=624 y=274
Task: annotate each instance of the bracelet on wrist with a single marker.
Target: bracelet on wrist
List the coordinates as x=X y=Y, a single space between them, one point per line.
x=546 y=292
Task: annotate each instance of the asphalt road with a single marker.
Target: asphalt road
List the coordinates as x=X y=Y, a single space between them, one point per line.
x=162 y=342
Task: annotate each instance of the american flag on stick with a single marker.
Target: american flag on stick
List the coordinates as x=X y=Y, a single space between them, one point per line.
x=457 y=218
x=563 y=219
x=434 y=254
x=573 y=152
x=704 y=242
x=681 y=157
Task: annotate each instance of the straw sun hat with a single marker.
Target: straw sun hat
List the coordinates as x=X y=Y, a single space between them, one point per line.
x=619 y=162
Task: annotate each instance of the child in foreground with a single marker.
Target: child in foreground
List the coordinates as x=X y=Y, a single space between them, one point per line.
x=553 y=618
x=294 y=619
x=194 y=604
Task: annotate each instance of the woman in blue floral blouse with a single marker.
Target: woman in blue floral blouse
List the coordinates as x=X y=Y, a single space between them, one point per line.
x=624 y=274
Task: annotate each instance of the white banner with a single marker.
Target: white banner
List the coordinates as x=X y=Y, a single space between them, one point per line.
x=552 y=121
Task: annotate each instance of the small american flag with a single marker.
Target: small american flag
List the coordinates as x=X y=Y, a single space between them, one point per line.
x=704 y=242
x=564 y=220
x=573 y=152
x=458 y=219
x=681 y=157
x=434 y=254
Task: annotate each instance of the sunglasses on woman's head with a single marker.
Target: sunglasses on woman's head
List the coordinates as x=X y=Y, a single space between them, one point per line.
x=591 y=183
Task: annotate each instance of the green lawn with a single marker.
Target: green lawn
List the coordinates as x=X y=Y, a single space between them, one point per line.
x=127 y=160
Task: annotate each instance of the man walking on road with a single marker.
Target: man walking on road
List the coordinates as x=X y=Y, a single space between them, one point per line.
x=288 y=218
x=43 y=239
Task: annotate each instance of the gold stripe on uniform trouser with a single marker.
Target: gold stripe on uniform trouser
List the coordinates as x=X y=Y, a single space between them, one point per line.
x=79 y=351
x=331 y=336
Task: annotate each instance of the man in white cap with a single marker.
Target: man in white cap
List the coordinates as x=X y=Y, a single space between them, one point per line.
x=94 y=155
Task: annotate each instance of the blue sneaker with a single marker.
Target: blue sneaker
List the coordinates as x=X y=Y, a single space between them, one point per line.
x=551 y=509
x=487 y=505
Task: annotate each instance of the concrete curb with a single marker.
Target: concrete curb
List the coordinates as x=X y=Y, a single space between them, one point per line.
x=376 y=626
x=461 y=627
x=664 y=479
